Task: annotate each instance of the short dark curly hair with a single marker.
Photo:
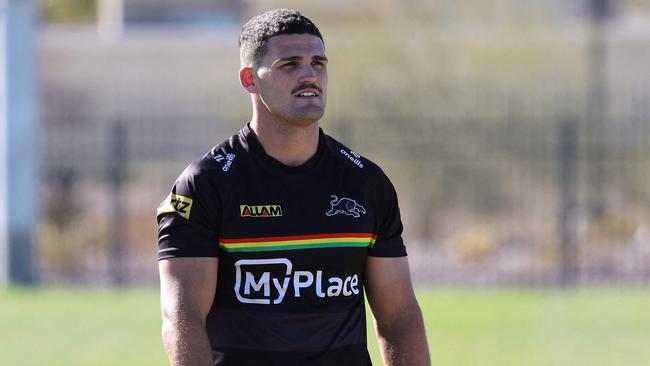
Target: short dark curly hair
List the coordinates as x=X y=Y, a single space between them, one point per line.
x=256 y=33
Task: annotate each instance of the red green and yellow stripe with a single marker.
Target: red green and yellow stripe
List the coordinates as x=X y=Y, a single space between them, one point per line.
x=297 y=242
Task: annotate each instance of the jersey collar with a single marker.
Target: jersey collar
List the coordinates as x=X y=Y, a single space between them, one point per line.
x=256 y=148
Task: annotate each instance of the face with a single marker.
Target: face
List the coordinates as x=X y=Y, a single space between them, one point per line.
x=291 y=79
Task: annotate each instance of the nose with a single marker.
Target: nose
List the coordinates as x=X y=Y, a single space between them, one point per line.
x=307 y=75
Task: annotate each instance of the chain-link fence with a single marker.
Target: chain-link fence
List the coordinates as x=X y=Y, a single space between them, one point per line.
x=519 y=145
x=485 y=200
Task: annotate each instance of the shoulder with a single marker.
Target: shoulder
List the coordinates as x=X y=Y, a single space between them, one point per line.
x=215 y=163
x=353 y=161
x=204 y=179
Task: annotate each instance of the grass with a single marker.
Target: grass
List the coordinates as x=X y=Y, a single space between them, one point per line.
x=594 y=327
x=501 y=327
x=80 y=327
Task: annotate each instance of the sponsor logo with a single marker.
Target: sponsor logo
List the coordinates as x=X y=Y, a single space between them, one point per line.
x=255 y=284
x=176 y=203
x=229 y=158
x=260 y=211
x=345 y=206
x=354 y=157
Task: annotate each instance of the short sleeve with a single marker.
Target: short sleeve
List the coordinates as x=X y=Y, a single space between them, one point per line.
x=389 y=242
x=189 y=217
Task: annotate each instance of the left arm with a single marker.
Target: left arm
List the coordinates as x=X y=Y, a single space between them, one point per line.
x=398 y=319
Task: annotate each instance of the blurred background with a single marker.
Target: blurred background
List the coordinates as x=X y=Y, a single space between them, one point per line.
x=517 y=132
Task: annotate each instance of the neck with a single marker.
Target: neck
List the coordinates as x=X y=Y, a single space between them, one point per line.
x=292 y=145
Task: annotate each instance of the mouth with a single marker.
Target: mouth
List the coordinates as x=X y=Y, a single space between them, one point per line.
x=306 y=94
x=310 y=92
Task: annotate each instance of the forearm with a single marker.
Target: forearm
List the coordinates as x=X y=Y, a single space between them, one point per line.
x=186 y=343
x=403 y=340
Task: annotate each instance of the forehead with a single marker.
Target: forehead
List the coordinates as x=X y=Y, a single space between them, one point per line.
x=288 y=45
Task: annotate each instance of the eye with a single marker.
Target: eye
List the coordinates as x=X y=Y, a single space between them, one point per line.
x=288 y=65
x=318 y=63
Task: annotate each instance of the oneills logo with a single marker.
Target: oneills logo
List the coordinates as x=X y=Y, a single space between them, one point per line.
x=260 y=211
x=353 y=157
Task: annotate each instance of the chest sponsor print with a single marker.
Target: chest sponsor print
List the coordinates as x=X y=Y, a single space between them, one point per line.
x=255 y=283
x=260 y=211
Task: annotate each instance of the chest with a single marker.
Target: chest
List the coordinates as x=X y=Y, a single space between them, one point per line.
x=297 y=240
x=281 y=205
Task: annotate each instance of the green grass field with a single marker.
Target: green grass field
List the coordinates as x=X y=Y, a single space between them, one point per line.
x=500 y=327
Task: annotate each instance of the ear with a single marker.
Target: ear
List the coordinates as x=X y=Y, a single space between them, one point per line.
x=247 y=79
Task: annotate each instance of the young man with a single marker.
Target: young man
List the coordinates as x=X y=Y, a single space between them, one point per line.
x=267 y=243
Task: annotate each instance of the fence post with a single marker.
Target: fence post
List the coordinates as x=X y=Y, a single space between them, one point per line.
x=597 y=99
x=110 y=19
x=568 y=200
x=117 y=170
x=18 y=142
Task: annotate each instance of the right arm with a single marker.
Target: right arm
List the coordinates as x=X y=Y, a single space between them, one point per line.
x=187 y=289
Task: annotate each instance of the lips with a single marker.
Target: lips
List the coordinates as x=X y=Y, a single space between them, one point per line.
x=307 y=91
x=306 y=94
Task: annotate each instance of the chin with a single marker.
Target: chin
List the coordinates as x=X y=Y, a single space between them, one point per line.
x=306 y=119
x=304 y=122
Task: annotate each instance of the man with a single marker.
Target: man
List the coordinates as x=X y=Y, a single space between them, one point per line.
x=267 y=243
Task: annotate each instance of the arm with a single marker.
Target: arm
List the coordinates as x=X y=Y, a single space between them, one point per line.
x=187 y=289
x=398 y=320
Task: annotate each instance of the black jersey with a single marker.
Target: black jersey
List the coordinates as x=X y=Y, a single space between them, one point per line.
x=292 y=243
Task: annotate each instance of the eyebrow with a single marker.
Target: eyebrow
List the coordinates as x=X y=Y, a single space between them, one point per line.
x=299 y=58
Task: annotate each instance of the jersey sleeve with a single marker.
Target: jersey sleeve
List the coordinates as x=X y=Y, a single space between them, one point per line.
x=389 y=242
x=188 y=219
